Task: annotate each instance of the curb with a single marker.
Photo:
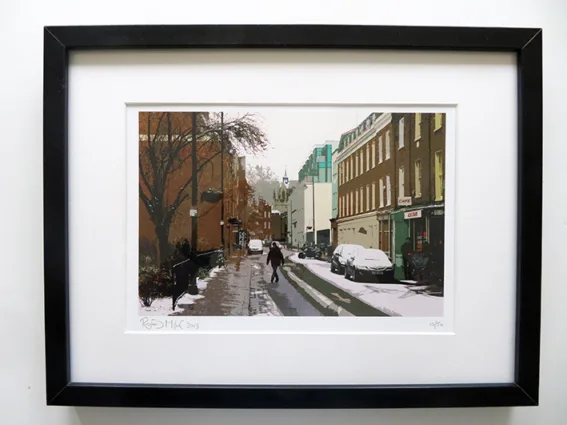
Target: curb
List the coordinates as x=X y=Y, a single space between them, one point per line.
x=318 y=297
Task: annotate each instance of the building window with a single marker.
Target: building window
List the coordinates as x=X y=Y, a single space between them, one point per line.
x=361 y=199
x=356 y=166
x=401 y=135
x=417 y=126
x=356 y=201
x=439 y=176
x=380 y=148
x=381 y=192
x=367 y=156
x=373 y=195
x=388 y=191
x=351 y=207
x=401 y=182
x=373 y=154
x=418 y=178
x=361 y=161
x=367 y=197
x=351 y=167
x=388 y=144
x=438 y=121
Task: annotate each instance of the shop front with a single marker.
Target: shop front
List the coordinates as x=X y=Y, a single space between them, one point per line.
x=421 y=224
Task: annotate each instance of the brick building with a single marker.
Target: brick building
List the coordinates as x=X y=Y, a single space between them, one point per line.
x=365 y=169
x=260 y=220
x=420 y=181
x=391 y=182
x=166 y=179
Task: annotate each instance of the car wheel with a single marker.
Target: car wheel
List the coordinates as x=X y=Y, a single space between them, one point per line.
x=346 y=273
x=355 y=276
x=333 y=268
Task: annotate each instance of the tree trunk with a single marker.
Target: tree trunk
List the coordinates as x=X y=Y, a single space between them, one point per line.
x=162 y=233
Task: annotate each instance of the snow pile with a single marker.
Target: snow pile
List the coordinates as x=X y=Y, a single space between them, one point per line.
x=159 y=307
x=162 y=306
x=392 y=298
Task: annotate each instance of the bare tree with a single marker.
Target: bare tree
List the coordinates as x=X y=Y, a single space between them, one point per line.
x=165 y=148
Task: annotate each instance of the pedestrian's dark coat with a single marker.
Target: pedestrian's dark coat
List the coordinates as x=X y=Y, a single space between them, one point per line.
x=275 y=257
x=406 y=249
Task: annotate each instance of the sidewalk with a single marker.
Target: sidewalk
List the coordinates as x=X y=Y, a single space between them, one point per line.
x=392 y=299
x=238 y=289
x=226 y=294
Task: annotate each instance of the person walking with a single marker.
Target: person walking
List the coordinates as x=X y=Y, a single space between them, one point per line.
x=276 y=258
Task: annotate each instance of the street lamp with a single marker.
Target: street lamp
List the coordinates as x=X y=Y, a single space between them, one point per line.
x=314 y=231
x=292 y=224
x=222 y=177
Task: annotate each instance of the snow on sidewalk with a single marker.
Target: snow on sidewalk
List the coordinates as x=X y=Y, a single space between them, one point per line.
x=162 y=306
x=392 y=298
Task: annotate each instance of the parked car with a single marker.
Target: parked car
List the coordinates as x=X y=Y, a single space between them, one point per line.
x=340 y=256
x=369 y=264
x=310 y=251
x=255 y=246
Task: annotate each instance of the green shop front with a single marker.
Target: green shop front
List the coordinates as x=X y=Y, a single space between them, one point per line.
x=421 y=224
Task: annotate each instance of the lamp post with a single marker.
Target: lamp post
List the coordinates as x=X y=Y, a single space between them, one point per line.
x=194 y=182
x=222 y=178
x=291 y=223
x=313 y=197
x=314 y=231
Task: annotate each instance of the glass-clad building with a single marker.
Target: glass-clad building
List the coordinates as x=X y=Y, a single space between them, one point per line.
x=319 y=165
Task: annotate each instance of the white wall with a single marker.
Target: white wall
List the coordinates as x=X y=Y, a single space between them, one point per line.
x=323 y=206
x=297 y=203
x=22 y=396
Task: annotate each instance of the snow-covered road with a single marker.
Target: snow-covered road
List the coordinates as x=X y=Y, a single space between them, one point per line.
x=394 y=299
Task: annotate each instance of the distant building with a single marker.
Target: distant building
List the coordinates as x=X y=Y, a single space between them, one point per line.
x=335 y=199
x=282 y=203
x=315 y=187
x=260 y=220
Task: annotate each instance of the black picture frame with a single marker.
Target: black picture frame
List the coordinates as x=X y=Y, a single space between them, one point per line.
x=526 y=43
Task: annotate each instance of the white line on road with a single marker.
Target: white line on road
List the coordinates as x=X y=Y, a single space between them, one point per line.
x=318 y=296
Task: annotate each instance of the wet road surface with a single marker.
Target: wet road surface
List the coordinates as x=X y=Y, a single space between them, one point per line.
x=286 y=297
x=243 y=288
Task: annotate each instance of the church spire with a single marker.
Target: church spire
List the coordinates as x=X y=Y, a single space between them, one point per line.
x=285 y=179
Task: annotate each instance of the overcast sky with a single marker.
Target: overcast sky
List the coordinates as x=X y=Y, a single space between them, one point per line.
x=293 y=131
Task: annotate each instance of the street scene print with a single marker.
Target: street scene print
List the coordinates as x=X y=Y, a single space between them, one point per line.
x=291 y=212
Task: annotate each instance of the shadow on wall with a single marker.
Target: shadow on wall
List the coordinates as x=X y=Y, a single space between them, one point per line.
x=130 y=416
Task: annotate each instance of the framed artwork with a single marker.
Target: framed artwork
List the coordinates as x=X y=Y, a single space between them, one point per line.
x=292 y=216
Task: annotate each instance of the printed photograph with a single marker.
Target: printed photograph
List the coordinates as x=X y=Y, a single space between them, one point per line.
x=285 y=211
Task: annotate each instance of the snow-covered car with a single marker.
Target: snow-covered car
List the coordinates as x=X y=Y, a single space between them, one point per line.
x=255 y=246
x=369 y=264
x=340 y=256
